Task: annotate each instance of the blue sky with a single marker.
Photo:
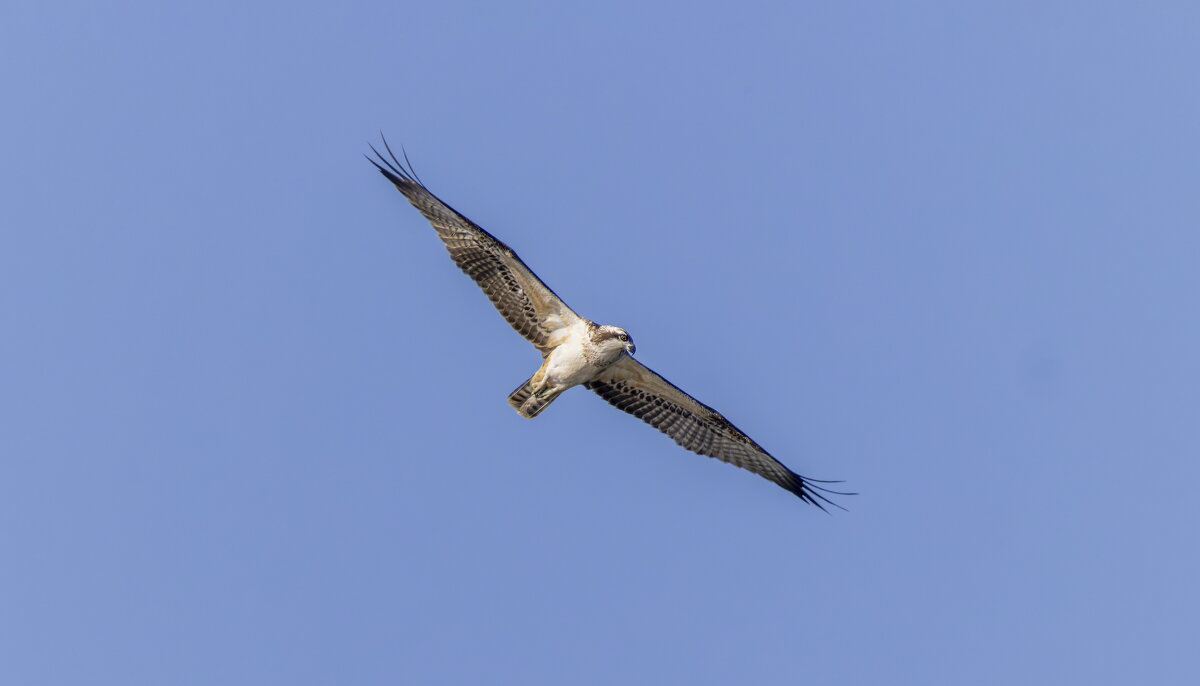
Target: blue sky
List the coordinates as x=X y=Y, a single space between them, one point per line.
x=253 y=419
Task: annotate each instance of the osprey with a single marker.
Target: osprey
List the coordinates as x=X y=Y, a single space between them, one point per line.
x=577 y=351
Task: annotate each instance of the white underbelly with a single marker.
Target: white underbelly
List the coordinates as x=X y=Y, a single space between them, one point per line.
x=567 y=366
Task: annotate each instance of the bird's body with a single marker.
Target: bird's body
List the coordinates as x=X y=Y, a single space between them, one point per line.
x=577 y=351
x=581 y=352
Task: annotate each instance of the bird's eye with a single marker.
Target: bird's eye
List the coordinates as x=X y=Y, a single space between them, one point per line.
x=623 y=337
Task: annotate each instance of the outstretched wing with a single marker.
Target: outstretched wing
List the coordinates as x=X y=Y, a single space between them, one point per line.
x=633 y=387
x=520 y=296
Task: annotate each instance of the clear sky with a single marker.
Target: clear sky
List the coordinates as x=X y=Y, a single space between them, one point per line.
x=253 y=426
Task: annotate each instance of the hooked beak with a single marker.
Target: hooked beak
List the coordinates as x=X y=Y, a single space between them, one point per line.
x=630 y=348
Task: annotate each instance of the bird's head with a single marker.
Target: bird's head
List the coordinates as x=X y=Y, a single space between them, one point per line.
x=614 y=338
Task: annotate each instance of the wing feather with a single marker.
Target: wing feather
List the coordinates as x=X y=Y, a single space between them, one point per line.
x=633 y=387
x=526 y=302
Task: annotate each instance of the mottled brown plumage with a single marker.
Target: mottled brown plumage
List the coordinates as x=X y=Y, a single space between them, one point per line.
x=522 y=298
x=633 y=387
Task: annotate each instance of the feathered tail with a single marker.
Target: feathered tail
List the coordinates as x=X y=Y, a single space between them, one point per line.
x=528 y=403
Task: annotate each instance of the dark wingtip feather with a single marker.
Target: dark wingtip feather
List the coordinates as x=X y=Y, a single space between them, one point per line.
x=807 y=490
x=391 y=167
x=386 y=172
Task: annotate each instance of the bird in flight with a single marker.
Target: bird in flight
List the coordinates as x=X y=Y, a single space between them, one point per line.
x=577 y=351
